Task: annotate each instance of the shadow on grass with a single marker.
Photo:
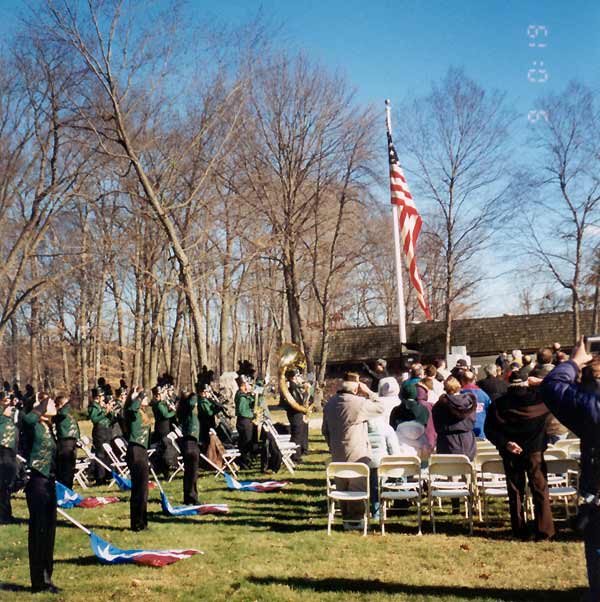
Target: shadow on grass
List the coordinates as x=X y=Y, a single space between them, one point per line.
x=339 y=585
x=78 y=560
x=14 y=587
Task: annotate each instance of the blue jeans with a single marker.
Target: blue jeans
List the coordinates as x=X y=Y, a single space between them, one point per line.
x=592 y=554
x=374 y=491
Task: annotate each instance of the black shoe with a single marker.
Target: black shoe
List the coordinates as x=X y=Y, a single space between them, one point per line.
x=11 y=520
x=49 y=588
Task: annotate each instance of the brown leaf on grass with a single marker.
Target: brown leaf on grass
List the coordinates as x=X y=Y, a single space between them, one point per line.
x=465 y=547
x=484 y=576
x=136 y=582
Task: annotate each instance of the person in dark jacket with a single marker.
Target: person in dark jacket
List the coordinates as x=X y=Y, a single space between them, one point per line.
x=139 y=425
x=454 y=418
x=40 y=493
x=244 y=410
x=578 y=408
x=554 y=429
x=190 y=429
x=516 y=425
x=296 y=413
x=102 y=422
x=8 y=455
x=492 y=384
x=67 y=435
x=377 y=374
x=165 y=456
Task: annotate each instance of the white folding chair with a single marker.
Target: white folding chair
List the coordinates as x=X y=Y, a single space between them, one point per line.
x=120 y=466
x=567 y=473
x=172 y=436
x=492 y=483
x=399 y=478
x=347 y=470
x=286 y=448
x=81 y=468
x=451 y=465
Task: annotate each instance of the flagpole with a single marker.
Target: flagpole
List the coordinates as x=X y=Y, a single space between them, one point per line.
x=398 y=251
x=71 y=519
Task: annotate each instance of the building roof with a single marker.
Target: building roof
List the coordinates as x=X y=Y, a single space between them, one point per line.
x=481 y=336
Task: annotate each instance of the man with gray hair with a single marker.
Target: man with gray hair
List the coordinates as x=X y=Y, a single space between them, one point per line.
x=345 y=418
x=493 y=385
x=377 y=374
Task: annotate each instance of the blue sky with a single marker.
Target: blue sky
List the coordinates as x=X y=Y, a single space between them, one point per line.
x=396 y=48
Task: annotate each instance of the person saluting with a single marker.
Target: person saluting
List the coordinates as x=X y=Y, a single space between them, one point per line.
x=40 y=492
x=138 y=424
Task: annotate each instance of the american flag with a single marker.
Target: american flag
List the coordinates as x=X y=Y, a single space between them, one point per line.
x=409 y=221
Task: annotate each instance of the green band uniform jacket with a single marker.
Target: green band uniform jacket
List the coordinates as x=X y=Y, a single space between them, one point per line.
x=244 y=405
x=43 y=450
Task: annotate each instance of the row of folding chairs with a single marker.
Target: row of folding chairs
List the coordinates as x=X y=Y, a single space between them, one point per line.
x=448 y=476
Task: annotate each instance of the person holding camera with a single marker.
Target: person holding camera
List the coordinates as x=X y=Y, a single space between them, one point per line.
x=577 y=406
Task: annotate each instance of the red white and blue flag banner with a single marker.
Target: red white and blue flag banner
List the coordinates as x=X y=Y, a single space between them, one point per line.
x=124 y=484
x=201 y=509
x=410 y=223
x=258 y=486
x=109 y=554
x=67 y=498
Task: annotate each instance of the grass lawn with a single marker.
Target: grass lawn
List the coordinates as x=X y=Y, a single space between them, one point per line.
x=274 y=546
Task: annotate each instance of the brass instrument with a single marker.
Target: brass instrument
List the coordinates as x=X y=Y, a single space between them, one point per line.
x=291 y=357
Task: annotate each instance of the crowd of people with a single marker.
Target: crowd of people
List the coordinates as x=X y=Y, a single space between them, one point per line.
x=522 y=405
x=432 y=409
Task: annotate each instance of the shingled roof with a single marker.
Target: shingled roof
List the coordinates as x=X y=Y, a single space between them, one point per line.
x=481 y=336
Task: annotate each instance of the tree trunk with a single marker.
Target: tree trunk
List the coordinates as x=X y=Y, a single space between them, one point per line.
x=116 y=287
x=64 y=347
x=16 y=352
x=34 y=344
x=596 y=308
x=98 y=329
x=224 y=365
x=576 y=314
x=136 y=377
x=177 y=338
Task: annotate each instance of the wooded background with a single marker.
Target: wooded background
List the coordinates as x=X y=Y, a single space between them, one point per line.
x=175 y=195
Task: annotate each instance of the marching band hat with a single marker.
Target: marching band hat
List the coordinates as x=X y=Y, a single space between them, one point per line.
x=201 y=387
x=382 y=363
x=244 y=378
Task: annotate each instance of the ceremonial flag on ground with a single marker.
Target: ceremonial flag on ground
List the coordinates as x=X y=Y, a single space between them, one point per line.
x=191 y=510
x=253 y=485
x=409 y=221
x=109 y=554
x=124 y=484
x=67 y=498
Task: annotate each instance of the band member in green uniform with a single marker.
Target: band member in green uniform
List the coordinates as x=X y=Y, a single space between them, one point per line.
x=244 y=410
x=207 y=411
x=8 y=454
x=41 y=494
x=101 y=433
x=190 y=428
x=163 y=413
x=139 y=425
x=67 y=435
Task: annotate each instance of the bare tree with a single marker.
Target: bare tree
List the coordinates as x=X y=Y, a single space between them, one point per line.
x=561 y=230
x=456 y=146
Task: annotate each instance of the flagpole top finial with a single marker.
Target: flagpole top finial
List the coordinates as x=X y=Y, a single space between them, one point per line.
x=388 y=102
